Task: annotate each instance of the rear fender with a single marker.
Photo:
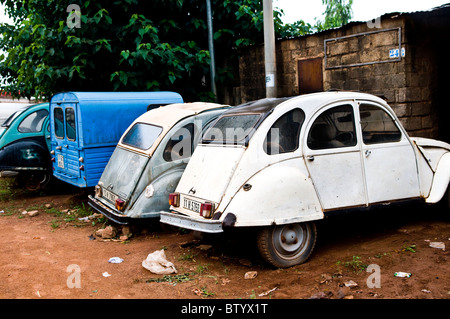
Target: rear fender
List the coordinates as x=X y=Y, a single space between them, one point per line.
x=281 y=193
x=440 y=180
x=155 y=197
x=26 y=154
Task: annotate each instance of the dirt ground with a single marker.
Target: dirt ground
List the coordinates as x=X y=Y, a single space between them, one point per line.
x=56 y=256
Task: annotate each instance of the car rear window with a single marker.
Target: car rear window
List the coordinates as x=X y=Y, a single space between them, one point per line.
x=142 y=135
x=59 y=122
x=232 y=129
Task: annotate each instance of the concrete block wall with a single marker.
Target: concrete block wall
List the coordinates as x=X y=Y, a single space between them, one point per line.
x=408 y=85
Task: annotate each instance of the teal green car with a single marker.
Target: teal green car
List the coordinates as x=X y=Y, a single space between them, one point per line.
x=25 y=146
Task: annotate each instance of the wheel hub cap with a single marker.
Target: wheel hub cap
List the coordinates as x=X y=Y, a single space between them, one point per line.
x=290 y=239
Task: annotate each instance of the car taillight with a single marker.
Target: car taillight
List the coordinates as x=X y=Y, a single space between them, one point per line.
x=120 y=204
x=206 y=209
x=174 y=199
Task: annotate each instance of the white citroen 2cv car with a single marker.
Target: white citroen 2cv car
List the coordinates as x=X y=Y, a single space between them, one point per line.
x=281 y=164
x=149 y=160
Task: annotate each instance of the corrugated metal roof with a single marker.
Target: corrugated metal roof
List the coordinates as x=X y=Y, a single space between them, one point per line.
x=393 y=14
x=384 y=16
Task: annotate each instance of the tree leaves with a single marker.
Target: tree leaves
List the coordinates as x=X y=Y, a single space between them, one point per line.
x=127 y=45
x=124 y=45
x=337 y=13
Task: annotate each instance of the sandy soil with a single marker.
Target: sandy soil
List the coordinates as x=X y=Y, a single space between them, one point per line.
x=43 y=256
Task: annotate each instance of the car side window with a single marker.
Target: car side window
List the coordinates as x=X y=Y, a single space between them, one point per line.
x=377 y=125
x=334 y=128
x=180 y=145
x=283 y=136
x=33 y=122
x=59 y=122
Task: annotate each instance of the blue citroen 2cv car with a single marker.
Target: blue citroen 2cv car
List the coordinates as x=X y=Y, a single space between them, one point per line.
x=86 y=127
x=25 y=146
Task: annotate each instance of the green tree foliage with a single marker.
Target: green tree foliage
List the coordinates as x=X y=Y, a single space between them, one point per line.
x=129 y=45
x=337 y=13
x=122 y=45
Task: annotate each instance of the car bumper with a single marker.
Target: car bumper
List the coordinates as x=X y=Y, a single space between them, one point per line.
x=183 y=221
x=8 y=173
x=120 y=219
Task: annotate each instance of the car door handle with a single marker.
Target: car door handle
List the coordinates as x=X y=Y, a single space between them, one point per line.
x=367 y=153
x=310 y=158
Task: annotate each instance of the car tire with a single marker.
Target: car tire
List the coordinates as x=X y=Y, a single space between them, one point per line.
x=285 y=246
x=34 y=182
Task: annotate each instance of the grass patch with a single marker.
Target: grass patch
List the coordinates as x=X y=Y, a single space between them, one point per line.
x=7 y=193
x=410 y=248
x=356 y=265
x=173 y=279
x=189 y=256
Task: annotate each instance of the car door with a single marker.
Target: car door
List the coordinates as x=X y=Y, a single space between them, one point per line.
x=388 y=157
x=333 y=158
x=66 y=150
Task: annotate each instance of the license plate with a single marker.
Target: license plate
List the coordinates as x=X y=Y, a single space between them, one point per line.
x=191 y=205
x=60 y=161
x=109 y=196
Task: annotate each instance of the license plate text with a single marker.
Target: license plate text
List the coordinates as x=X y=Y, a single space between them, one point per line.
x=191 y=205
x=109 y=196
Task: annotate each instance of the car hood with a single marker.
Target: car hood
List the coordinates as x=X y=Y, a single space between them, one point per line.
x=428 y=142
x=431 y=150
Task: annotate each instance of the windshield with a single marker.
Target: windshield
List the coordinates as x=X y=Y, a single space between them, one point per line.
x=123 y=171
x=142 y=135
x=232 y=129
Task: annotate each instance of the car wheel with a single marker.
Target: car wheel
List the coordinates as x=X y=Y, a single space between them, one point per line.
x=287 y=245
x=35 y=182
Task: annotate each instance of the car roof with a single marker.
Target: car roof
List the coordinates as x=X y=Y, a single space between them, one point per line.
x=19 y=110
x=308 y=102
x=80 y=97
x=258 y=106
x=167 y=116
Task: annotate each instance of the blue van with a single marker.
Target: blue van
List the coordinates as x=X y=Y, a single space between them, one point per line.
x=85 y=128
x=25 y=146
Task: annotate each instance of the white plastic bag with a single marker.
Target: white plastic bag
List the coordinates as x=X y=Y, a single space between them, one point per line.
x=157 y=263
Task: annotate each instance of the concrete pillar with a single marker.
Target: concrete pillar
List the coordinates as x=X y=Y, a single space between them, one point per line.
x=269 y=50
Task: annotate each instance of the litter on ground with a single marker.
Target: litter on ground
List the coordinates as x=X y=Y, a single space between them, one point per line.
x=157 y=263
x=115 y=260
